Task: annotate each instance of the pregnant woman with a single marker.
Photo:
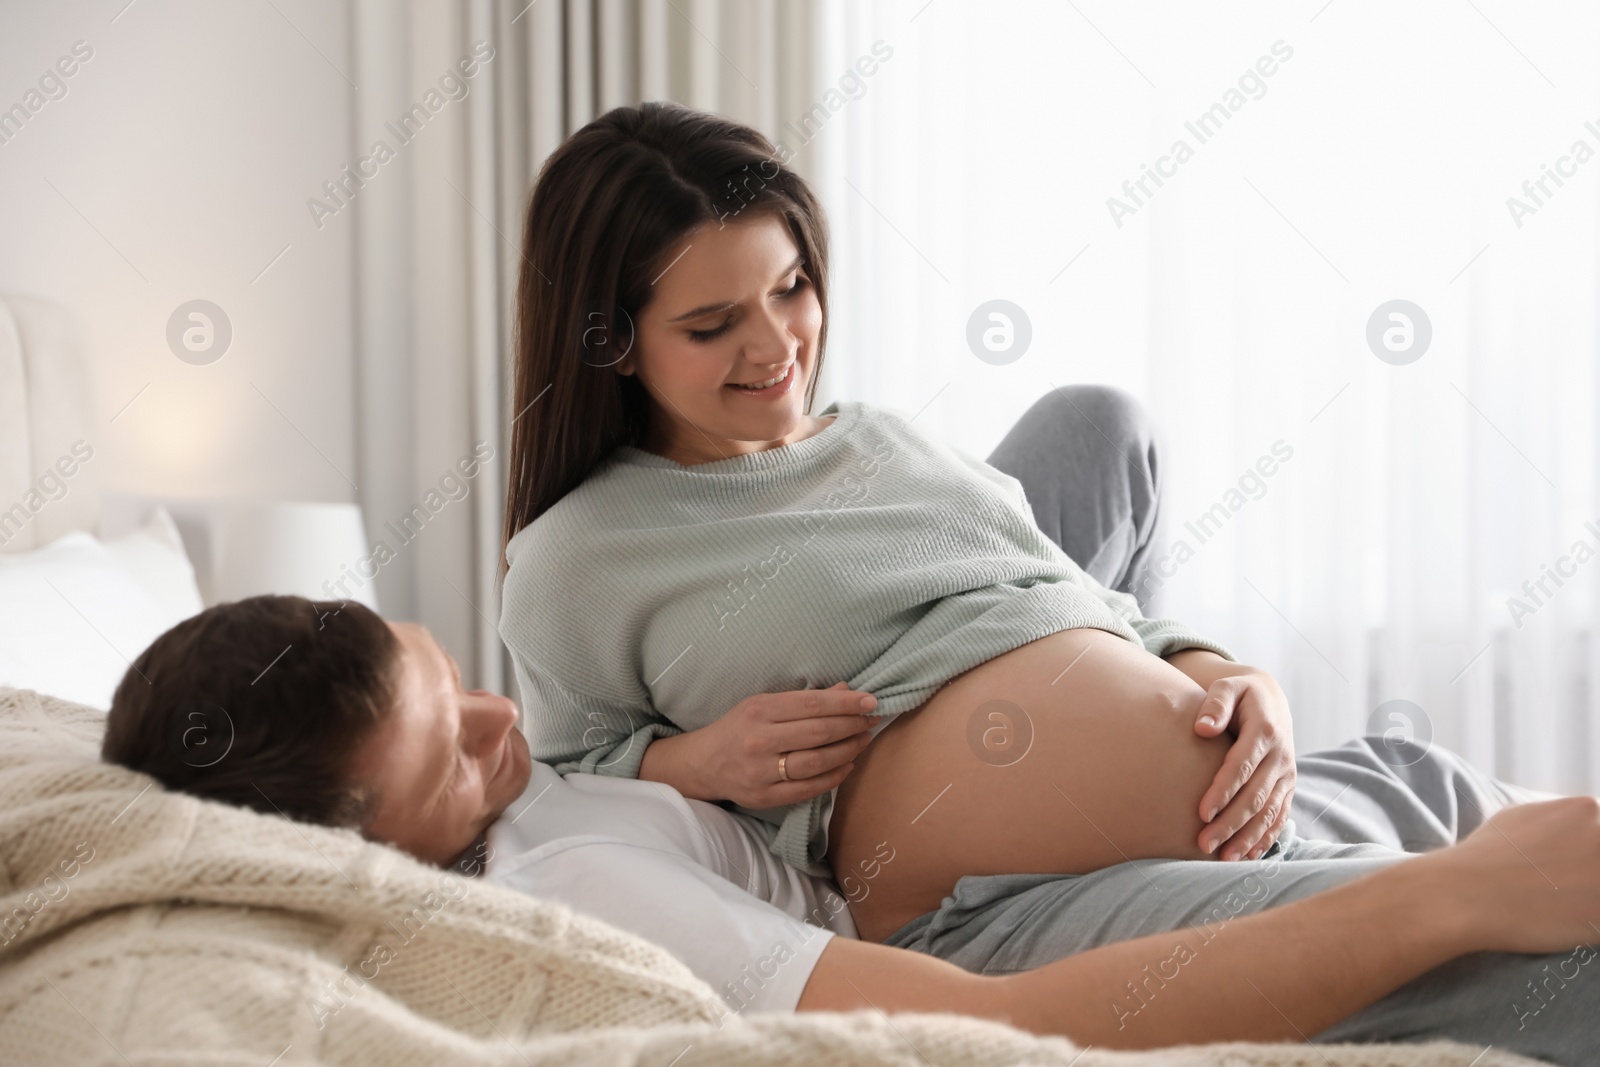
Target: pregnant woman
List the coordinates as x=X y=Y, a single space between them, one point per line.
x=688 y=548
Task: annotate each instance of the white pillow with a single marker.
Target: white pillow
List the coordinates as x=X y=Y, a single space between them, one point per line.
x=74 y=613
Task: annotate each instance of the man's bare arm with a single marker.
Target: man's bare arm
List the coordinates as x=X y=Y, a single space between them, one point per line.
x=1310 y=963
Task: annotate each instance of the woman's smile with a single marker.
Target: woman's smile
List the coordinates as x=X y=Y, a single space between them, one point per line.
x=775 y=386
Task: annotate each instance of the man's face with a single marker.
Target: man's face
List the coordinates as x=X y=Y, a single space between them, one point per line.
x=446 y=762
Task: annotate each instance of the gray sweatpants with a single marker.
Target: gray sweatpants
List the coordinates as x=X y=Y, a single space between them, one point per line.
x=1354 y=809
x=1087 y=460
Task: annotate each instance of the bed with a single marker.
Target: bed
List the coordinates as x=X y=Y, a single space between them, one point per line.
x=138 y=925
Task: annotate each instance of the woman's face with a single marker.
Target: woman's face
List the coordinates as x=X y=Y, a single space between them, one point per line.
x=731 y=307
x=446 y=761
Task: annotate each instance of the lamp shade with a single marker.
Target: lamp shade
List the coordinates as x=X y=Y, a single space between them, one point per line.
x=317 y=551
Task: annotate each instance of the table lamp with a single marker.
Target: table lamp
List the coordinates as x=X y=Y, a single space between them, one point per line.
x=318 y=551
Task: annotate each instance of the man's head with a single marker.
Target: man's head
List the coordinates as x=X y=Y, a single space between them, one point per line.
x=321 y=711
x=445 y=763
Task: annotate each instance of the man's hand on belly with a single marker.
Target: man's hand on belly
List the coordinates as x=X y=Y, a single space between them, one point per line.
x=1248 y=802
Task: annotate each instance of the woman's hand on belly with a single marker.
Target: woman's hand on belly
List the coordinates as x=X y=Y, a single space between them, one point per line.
x=815 y=733
x=1248 y=802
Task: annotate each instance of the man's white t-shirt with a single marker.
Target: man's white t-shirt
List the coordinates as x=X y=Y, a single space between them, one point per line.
x=694 y=878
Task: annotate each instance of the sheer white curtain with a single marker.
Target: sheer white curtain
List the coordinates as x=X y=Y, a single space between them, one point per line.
x=1406 y=503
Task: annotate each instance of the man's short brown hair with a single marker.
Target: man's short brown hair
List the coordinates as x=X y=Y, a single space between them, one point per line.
x=260 y=703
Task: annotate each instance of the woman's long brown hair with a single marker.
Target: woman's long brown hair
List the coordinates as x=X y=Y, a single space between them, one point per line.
x=608 y=206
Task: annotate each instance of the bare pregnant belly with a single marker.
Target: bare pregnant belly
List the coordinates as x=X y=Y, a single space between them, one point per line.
x=1072 y=753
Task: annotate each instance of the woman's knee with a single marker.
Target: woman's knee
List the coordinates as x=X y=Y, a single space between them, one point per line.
x=1079 y=427
x=1106 y=409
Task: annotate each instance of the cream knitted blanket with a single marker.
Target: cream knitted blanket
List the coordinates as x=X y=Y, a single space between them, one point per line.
x=139 y=926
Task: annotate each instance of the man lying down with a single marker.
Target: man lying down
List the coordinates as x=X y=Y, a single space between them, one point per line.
x=362 y=723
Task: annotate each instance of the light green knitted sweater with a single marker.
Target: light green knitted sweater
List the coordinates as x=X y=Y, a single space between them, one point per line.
x=655 y=596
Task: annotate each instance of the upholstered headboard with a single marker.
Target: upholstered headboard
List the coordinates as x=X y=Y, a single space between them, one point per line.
x=51 y=450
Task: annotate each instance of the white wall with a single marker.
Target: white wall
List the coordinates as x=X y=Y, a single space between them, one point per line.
x=181 y=158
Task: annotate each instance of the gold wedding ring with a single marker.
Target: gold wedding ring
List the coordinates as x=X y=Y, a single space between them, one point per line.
x=783 y=768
